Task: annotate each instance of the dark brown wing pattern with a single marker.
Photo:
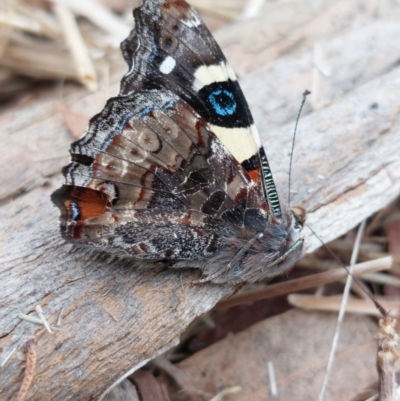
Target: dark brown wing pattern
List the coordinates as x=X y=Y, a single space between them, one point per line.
x=172 y=170
x=149 y=163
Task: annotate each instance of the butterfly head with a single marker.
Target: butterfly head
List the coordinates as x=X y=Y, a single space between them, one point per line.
x=262 y=254
x=298 y=219
x=278 y=248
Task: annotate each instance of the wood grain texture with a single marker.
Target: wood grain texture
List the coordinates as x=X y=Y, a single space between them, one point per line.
x=113 y=319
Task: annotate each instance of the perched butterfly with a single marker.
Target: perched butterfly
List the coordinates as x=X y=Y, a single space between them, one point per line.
x=172 y=171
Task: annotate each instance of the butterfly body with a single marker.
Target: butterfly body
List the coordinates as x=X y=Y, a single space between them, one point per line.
x=172 y=170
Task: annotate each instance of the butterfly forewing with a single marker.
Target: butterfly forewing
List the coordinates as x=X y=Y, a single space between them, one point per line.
x=172 y=48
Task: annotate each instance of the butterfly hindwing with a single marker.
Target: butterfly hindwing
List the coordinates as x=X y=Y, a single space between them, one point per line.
x=157 y=164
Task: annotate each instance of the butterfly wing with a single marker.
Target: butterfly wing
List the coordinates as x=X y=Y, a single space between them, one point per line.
x=151 y=179
x=172 y=168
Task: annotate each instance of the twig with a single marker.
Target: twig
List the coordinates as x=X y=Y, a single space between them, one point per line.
x=178 y=375
x=229 y=10
x=39 y=311
x=10 y=354
x=41 y=320
x=272 y=380
x=382 y=279
x=99 y=16
x=252 y=8
x=231 y=390
x=29 y=370
x=38 y=61
x=73 y=37
x=342 y=311
x=30 y=319
x=7 y=14
x=333 y=304
x=303 y=283
x=38 y=22
x=387 y=357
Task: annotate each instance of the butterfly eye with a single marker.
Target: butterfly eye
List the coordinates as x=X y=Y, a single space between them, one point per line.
x=299 y=214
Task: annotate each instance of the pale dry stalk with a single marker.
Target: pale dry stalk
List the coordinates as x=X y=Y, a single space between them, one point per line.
x=303 y=283
x=83 y=63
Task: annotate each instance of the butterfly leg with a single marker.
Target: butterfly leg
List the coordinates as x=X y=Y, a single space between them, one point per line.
x=294 y=248
x=232 y=263
x=209 y=278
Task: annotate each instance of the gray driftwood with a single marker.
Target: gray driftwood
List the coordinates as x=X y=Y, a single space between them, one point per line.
x=109 y=319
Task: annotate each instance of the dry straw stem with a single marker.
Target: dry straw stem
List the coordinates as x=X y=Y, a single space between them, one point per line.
x=252 y=8
x=44 y=320
x=31 y=59
x=31 y=20
x=303 y=283
x=73 y=37
x=99 y=16
x=16 y=21
x=387 y=356
x=332 y=304
x=29 y=370
x=387 y=279
x=342 y=310
x=180 y=377
x=6 y=13
x=226 y=392
x=228 y=9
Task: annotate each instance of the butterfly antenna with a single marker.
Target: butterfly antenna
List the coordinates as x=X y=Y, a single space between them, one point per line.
x=378 y=306
x=305 y=94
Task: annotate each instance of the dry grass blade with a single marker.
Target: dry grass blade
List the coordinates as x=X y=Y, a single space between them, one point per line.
x=179 y=376
x=228 y=391
x=32 y=20
x=99 y=16
x=8 y=357
x=16 y=21
x=32 y=60
x=231 y=9
x=378 y=278
x=342 y=310
x=333 y=303
x=83 y=63
x=252 y=8
x=6 y=13
x=303 y=283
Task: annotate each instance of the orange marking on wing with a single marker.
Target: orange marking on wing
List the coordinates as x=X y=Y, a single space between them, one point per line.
x=91 y=203
x=182 y=5
x=255 y=175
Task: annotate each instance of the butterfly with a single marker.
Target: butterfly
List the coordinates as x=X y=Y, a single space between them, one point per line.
x=172 y=171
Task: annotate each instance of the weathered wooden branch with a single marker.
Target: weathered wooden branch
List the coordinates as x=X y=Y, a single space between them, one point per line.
x=109 y=319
